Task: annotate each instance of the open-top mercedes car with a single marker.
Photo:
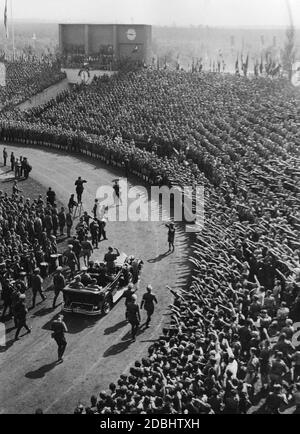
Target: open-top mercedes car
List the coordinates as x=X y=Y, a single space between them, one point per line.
x=99 y=297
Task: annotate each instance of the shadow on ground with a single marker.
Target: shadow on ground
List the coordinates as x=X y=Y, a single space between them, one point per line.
x=115 y=328
x=41 y=372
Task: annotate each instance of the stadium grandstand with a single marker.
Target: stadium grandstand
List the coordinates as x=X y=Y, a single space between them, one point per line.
x=26 y=78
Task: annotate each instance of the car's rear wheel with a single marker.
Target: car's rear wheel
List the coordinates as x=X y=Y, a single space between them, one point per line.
x=106 y=308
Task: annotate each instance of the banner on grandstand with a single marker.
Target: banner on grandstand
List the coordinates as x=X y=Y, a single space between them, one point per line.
x=84 y=74
x=2 y=74
x=296 y=74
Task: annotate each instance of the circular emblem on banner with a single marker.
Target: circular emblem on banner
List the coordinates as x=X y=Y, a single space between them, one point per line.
x=84 y=75
x=131 y=34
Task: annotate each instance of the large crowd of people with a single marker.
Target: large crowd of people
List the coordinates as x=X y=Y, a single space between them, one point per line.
x=25 y=79
x=26 y=245
x=211 y=118
x=231 y=340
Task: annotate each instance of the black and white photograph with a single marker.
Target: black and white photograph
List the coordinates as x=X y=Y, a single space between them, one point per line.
x=149 y=210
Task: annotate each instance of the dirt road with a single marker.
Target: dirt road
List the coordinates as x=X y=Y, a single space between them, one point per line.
x=98 y=350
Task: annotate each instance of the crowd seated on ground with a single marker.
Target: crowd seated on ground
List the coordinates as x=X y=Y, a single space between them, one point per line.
x=24 y=79
x=232 y=338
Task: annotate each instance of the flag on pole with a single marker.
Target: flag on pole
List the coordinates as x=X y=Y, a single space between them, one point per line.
x=5 y=20
x=261 y=66
x=237 y=69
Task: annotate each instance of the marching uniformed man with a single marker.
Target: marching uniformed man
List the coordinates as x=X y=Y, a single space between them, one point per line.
x=148 y=301
x=71 y=259
x=36 y=285
x=58 y=283
x=95 y=208
x=20 y=313
x=128 y=296
x=134 y=316
x=59 y=329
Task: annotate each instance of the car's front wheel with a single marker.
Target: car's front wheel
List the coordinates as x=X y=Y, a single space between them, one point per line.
x=106 y=308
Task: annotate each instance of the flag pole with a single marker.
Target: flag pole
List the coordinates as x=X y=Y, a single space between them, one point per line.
x=12 y=28
x=6 y=29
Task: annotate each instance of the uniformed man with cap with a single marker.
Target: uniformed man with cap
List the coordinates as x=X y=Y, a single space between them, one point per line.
x=77 y=284
x=79 y=189
x=71 y=259
x=94 y=229
x=110 y=258
x=128 y=296
x=20 y=313
x=58 y=284
x=86 y=277
x=148 y=301
x=36 y=285
x=171 y=236
x=134 y=316
x=59 y=329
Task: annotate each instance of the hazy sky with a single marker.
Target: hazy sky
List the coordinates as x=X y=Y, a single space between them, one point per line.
x=181 y=12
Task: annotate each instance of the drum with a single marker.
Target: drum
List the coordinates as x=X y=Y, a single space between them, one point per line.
x=23 y=277
x=44 y=267
x=53 y=263
x=2 y=267
x=60 y=259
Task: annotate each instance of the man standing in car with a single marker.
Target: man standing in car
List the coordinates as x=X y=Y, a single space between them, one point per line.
x=110 y=258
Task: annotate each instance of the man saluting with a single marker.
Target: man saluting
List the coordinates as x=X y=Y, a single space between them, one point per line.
x=117 y=192
x=79 y=188
x=171 y=236
x=110 y=258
